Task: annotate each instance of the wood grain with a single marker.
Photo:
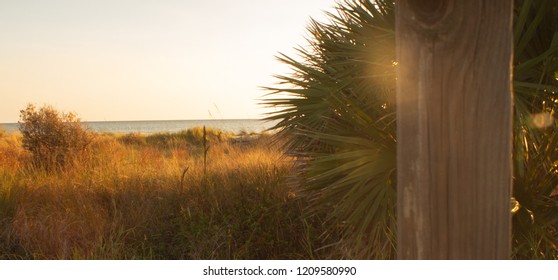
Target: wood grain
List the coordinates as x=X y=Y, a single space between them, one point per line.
x=454 y=128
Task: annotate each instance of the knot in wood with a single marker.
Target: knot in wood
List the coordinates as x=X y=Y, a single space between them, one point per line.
x=430 y=12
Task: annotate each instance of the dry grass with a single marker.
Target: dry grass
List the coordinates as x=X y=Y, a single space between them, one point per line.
x=147 y=197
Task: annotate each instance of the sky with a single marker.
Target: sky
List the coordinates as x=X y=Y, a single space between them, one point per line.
x=146 y=59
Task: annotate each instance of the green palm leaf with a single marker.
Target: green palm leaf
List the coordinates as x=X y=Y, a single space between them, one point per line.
x=340 y=114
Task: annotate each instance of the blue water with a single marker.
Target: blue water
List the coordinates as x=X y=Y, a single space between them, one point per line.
x=235 y=126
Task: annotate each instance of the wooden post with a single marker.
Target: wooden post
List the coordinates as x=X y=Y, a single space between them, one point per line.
x=454 y=128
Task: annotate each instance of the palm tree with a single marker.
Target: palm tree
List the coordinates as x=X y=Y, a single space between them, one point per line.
x=338 y=118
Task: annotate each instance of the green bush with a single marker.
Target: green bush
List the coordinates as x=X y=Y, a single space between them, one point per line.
x=53 y=138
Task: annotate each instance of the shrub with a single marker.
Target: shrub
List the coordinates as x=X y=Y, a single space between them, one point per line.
x=52 y=137
x=195 y=135
x=133 y=138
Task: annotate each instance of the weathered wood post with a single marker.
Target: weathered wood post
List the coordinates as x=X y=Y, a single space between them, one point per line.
x=454 y=128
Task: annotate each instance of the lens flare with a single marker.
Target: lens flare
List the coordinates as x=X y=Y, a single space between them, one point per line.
x=542 y=120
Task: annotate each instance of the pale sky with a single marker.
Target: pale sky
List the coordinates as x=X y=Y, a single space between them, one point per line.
x=147 y=59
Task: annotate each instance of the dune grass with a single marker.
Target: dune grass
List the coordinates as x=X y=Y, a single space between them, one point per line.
x=147 y=197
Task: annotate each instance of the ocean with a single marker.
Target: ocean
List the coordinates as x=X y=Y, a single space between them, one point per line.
x=235 y=126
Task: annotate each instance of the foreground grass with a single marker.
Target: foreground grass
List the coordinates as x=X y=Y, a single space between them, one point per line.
x=150 y=197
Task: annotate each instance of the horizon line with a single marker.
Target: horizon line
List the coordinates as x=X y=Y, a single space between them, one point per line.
x=232 y=119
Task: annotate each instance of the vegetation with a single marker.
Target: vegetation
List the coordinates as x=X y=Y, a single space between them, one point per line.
x=53 y=138
x=339 y=119
x=122 y=200
x=202 y=194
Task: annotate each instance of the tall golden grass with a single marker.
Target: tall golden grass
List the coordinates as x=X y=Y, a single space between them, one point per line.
x=147 y=197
